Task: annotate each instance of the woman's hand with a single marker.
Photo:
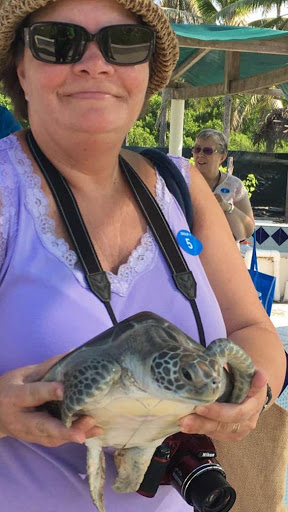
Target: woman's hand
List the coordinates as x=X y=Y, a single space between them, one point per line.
x=229 y=422
x=224 y=204
x=20 y=394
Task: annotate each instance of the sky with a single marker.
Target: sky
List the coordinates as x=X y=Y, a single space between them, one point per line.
x=271 y=13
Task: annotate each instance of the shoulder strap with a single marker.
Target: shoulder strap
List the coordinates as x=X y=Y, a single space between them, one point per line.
x=182 y=275
x=174 y=180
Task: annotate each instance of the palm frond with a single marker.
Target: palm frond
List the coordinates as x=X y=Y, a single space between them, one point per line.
x=176 y=16
x=206 y=9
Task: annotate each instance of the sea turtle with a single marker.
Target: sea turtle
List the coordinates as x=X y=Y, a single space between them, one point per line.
x=137 y=379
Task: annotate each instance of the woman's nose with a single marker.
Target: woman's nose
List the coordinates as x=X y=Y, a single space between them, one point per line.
x=93 y=61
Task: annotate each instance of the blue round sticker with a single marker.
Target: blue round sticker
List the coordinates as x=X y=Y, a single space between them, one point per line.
x=225 y=190
x=188 y=242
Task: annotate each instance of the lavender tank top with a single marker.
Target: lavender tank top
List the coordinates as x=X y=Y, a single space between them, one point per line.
x=46 y=308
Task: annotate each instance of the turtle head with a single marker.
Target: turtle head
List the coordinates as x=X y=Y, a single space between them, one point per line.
x=187 y=376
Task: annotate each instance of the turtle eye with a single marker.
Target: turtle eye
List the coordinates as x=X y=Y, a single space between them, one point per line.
x=186 y=374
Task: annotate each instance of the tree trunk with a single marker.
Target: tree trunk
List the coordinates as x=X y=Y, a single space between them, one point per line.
x=163 y=119
x=227 y=115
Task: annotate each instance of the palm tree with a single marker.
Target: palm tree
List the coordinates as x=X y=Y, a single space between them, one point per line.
x=181 y=11
x=221 y=11
x=250 y=6
x=273 y=129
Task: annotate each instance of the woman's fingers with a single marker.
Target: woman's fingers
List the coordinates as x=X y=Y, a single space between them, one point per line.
x=226 y=421
x=223 y=431
x=87 y=424
x=41 y=428
x=32 y=394
x=20 y=394
x=36 y=372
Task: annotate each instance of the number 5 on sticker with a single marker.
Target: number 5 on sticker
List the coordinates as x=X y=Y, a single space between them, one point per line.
x=188 y=242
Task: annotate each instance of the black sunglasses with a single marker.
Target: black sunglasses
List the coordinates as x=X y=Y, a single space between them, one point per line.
x=65 y=43
x=206 y=151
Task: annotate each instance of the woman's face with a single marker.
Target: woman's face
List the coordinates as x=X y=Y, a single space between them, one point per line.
x=208 y=165
x=91 y=95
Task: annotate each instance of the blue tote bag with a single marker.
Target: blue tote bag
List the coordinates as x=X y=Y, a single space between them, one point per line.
x=264 y=283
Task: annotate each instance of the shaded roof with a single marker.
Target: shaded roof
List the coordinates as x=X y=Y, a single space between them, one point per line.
x=220 y=59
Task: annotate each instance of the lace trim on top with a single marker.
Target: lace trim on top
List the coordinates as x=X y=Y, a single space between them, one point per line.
x=140 y=260
x=8 y=225
x=38 y=205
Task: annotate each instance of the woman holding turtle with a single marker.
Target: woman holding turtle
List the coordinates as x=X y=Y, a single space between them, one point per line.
x=80 y=104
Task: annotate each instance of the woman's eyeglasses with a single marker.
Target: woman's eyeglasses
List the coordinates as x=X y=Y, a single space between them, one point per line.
x=65 y=43
x=206 y=151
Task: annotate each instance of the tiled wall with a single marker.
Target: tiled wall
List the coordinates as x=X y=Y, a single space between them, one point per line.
x=271 y=236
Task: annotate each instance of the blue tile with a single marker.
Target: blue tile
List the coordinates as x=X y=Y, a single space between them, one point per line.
x=261 y=235
x=280 y=236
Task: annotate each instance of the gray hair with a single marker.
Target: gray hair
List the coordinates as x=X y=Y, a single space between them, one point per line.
x=218 y=137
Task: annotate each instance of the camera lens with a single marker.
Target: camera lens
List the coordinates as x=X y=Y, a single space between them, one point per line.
x=208 y=490
x=218 y=500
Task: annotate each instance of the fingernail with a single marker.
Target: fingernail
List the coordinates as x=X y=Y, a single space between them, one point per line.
x=201 y=410
x=59 y=394
x=79 y=440
x=184 y=425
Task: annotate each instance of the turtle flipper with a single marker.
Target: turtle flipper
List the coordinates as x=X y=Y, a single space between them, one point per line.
x=227 y=352
x=87 y=382
x=131 y=464
x=96 y=472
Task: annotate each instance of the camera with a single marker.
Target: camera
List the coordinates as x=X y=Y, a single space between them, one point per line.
x=188 y=463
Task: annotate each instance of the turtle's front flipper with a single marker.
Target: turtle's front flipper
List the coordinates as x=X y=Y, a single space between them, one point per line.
x=131 y=464
x=96 y=472
x=225 y=351
x=88 y=381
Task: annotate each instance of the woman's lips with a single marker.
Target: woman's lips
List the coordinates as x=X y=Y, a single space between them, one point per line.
x=91 y=95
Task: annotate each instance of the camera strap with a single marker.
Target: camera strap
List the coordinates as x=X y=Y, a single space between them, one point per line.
x=96 y=277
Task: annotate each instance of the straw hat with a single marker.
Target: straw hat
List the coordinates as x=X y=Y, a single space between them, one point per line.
x=13 y=12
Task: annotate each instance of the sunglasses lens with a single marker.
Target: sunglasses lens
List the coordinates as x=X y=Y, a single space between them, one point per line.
x=206 y=151
x=126 y=44
x=58 y=43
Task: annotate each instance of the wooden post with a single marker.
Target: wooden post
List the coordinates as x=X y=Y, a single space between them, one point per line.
x=286 y=202
x=163 y=118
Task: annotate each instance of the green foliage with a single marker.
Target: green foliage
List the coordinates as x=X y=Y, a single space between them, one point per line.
x=5 y=101
x=140 y=135
x=145 y=131
x=281 y=147
x=241 y=142
x=250 y=183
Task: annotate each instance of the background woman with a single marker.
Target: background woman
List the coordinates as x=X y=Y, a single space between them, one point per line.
x=80 y=105
x=209 y=152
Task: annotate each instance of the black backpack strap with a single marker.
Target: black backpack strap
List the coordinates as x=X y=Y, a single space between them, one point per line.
x=174 y=180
